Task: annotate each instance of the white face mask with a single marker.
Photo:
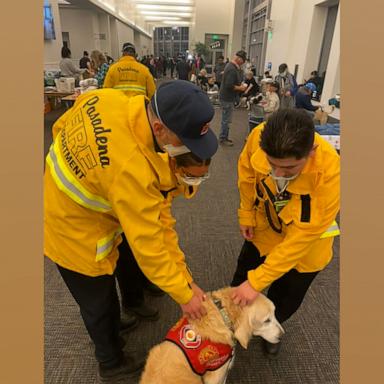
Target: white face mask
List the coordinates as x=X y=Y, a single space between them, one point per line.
x=281 y=181
x=191 y=180
x=175 y=151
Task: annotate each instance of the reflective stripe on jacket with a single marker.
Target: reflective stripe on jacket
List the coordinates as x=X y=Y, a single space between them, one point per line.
x=301 y=235
x=104 y=176
x=131 y=77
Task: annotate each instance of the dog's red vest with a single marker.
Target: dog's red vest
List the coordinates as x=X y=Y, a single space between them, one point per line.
x=202 y=355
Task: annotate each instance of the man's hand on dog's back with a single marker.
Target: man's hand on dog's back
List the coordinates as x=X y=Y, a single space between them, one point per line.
x=244 y=294
x=194 y=309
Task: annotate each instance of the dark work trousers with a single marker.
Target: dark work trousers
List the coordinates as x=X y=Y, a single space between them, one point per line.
x=129 y=276
x=100 y=310
x=287 y=292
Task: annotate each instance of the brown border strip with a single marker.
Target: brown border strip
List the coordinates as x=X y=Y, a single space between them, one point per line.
x=362 y=209
x=21 y=158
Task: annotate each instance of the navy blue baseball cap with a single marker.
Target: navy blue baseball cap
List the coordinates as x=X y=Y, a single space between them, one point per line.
x=186 y=110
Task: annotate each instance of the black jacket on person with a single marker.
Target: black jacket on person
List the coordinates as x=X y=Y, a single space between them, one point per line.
x=231 y=77
x=84 y=61
x=183 y=68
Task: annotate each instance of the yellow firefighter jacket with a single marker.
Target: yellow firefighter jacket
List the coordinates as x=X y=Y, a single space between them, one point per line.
x=103 y=176
x=301 y=235
x=131 y=77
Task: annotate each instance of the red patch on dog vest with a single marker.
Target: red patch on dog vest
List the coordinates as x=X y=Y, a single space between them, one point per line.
x=202 y=355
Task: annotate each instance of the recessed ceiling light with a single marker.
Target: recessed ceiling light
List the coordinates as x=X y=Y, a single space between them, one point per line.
x=165 y=7
x=165 y=1
x=160 y=18
x=160 y=13
x=181 y=22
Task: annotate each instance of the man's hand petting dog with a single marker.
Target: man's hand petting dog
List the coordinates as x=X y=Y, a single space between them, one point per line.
x=244 y=294
x=194 y=308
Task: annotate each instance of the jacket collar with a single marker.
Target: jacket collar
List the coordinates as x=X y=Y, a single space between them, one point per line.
x=127 y=58
x=306 y=182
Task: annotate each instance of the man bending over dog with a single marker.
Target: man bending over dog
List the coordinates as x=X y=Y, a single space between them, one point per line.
x=105 y=175
x=289 y=199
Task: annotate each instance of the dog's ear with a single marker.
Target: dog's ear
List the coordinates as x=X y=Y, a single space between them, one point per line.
x=243 y=332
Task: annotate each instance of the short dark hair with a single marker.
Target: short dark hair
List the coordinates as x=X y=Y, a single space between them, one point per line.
x=314 y=73
x=85 y=53
x=189 y=160
x=65 y=52
x=288 y=133
x=283 y=67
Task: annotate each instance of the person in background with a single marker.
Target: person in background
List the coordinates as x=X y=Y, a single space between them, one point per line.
x=109 y=58
x=172 y=65
x=152 y=66
x=289 y=184
x=130 y=76
x=252 y=89
x=85 y=61
x=318 y=81
x=303 y=98
x=212 y=84
x=288 y=87
x=231 y=87
x=199 y=63
x=202 y=80
x=219 y=70
x=267 y=75
x=99 y=67
x=183 y=69
x=67 y=68
x=271 y=102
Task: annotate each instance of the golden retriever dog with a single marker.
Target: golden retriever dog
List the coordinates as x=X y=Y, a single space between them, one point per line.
x=166 y=362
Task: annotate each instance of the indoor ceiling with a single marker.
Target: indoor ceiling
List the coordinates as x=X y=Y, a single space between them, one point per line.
x=147 y=13
x=171 y=12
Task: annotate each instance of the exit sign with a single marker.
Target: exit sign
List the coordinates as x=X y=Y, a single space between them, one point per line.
x=216 y=44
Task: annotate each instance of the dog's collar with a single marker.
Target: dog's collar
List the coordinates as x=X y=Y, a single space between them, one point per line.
x=224 y=314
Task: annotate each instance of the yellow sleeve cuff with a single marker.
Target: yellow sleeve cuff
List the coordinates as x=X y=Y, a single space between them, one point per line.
x=258 y=280
x=246 y=217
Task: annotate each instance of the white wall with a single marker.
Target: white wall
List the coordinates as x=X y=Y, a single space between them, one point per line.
x=86 y=28
x=283 y=26
x=316 y=35
x=80 y=24
x=212 y=17
x=52 y=48
x=105 y=45
x=298 y=30
x=237 y=33
x=332 y=79
x=124 y=34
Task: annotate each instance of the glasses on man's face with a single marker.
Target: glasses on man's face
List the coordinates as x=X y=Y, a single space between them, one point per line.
x=188 y=176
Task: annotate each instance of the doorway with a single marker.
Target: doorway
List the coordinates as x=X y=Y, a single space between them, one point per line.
x=66 y=42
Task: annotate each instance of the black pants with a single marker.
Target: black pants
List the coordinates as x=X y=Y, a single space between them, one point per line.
x=100 y=310
x=287 y=292
x=129 y=276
